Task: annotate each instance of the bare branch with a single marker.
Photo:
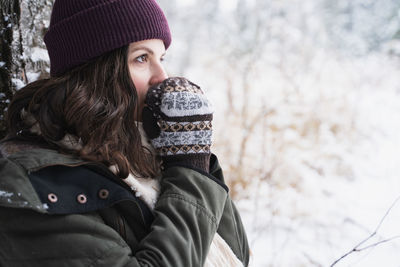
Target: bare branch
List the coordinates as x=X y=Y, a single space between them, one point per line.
x=377 y=243
x=312 y=261
x=357 y=247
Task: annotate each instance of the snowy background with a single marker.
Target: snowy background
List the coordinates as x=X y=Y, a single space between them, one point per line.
x=307 y=99
x=307 y=95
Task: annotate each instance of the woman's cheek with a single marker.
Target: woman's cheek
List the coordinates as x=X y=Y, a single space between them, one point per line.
x=141 y=85
x=141 y=89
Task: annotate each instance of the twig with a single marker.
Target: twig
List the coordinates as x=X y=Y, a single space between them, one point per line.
x=313 y=262
x=377 y=243
x=357 y=247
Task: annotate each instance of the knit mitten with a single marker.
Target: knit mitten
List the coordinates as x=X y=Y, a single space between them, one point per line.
x=177 y=119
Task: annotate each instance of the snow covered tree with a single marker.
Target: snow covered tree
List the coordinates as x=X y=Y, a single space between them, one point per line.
x=23 y=58
x=9 y=61
x=361 y=26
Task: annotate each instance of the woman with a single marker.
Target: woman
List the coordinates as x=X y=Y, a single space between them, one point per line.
x=80 y=185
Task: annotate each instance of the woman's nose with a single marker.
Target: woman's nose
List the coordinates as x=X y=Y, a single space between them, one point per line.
x=158 y=74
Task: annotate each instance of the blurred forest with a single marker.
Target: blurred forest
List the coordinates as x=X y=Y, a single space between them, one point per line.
x=307 y=99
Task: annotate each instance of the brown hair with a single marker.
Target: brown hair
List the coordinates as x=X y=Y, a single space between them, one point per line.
x=96 y=102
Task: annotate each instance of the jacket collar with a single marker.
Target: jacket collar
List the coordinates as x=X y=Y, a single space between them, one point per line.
x=33 y=157
x=16 y=163
x=38 y=158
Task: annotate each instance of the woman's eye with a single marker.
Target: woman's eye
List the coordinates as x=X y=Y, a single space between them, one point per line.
x=141 y=59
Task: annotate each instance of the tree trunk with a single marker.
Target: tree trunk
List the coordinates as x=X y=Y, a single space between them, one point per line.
x=9 y=24
x=23 y=24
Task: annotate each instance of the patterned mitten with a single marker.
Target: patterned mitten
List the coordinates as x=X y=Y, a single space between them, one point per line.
x=177 y=119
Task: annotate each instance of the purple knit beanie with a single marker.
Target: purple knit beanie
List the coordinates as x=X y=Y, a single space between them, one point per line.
x=81 y=30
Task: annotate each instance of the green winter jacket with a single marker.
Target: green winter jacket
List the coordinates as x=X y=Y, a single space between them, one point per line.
x=57 y=210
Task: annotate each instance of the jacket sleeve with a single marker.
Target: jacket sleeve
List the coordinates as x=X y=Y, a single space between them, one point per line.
x=231 y=228
x=187 y=216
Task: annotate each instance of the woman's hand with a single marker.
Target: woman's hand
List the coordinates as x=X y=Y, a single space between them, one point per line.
x=177 y=118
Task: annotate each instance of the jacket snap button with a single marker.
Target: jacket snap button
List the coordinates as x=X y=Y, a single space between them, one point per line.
x=52 y=197
x=82 y=198
x=103 y=193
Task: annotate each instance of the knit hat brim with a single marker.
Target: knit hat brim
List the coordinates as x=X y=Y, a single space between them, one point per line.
x=102 y=28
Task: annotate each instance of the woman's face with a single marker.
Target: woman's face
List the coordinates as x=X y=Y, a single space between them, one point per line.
x=145 y=67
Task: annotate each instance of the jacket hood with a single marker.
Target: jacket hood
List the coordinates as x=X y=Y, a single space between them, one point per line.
x=16 y=163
